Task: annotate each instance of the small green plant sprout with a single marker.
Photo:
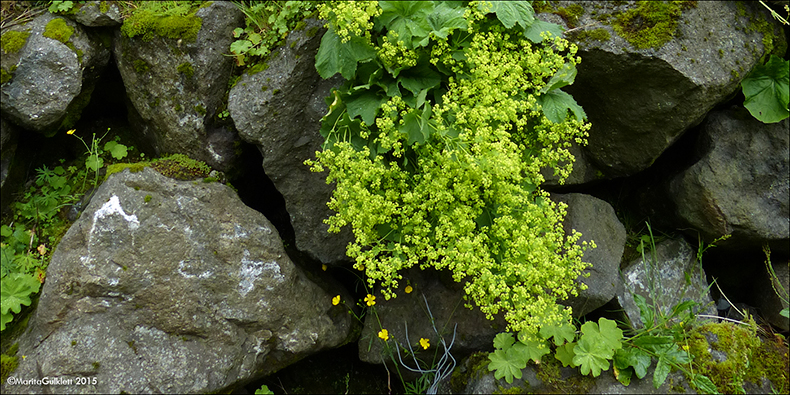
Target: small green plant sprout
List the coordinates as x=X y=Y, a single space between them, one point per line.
x=775 y=283
x=264 y=390
x=94 y=161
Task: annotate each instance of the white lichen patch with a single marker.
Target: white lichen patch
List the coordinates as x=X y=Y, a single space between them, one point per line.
x=251 y=270
x=111 y=207
x=187 y=265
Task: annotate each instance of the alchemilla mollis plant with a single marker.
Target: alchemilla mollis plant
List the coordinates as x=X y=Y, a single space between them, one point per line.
x=436 y=143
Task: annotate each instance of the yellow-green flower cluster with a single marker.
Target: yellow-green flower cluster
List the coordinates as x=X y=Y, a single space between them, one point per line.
x=468 y=200
x=350 y=18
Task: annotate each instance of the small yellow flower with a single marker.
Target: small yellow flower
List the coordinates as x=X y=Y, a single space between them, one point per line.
x=361 y=268
x=424 y=343
x=370 y=300
x=408 y=289
x=685 y=347
x=384 y=335
x=323 y=267
x=71 y=131
x=336 y=300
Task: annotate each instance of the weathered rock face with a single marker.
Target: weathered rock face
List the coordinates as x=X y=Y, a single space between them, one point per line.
x=279 y=110
x=740 y=186
x=50 y=77
x=595 y=220
x=674 y=276
x=94 y=13
x=768 y=288
x=640 y=101
x=175 y=87
x=445 y=300
x=175 y=287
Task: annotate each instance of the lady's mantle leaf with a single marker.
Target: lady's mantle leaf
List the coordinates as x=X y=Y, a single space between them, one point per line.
x=504 y=340
x=409 y=19
x=766 y=90
x=565 y=354
x=533 y=31
x=561 y=334
x=590 y=358
x=506 y=364
x=443 y=20
x=364 y=103
x=512 y=12
x=15 y=292
x=556 y=104
x=335 y=56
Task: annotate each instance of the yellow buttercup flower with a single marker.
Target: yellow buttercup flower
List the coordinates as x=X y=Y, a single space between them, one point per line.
x=323 y=267
x=370 y=300
x=424 y=343
x=71 y=131
x=384 y=335
x=336 y=300
x=408 y=289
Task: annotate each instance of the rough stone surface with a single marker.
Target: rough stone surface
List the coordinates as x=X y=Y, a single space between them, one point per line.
x=90 y=14
x=768 y=289
x=49 y=76
x=640 y=101
x=176 y=87
x=741 y=185
x=9 y=135
x=674 y=276
x=445 y=300
x=167 y=286
x=595 y=219
x=279 y=110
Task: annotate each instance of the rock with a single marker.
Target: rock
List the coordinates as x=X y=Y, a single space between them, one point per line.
x=176 y=87
x=175 y=287
x=279 y=110
x=9 y=135
x=445 y=301
x=91 y=14
x=768 y=288
x=51 y=79
x=674 y=276
x=641 y=100
x=595 y=219
x=740 y=185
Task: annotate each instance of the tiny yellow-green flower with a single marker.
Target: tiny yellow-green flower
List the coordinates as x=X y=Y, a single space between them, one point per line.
x=336 y=300
x=370 y=300
x=323 y=267
x=408 y=289
x=384 y=335
x=424 y=343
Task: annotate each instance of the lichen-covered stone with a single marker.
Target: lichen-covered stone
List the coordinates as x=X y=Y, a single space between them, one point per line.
x=173 y=287
x=98 y=13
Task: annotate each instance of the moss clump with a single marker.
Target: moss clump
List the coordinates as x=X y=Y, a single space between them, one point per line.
x=7 y=365
x=119 y=167
x=12 y=41
x=181 y=167
x=772 y=44
x=147 y=198
x=4 y=76
x=152 y=20
x=186 y=69
x=731 y=354
x=140 y=66
x=571 y=14
x=651 y=24
x=312 y=31
x=104 y=7
x=257 y=68
x=200 y=109
x=57 y=29
x=593 y=35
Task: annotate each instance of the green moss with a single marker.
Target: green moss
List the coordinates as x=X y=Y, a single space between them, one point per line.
x=264 y=88
x=200 y=109
x=651 y=24
x=549 y=373
x=104 y=7
x=119 y=167
x=57 y=29
x=132 y=346
x=593 y=35
x=293 y=44
x=12 y=41
x=140 y=66
x=74 y=109
x=747 y=357
x=7 y=365
x=186 y=69
x=257 y=68
x=4 y=76
x=772 y=43
x=155 y=102
x=147 y=198
x=181 y=167
x=276 y=91
x=73 y=343
x=149 y=22
x=178 y=107
x=311 y=32
x=96 y=365
x=571 y=14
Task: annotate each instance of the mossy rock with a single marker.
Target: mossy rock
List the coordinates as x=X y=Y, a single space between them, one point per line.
x=181 y=167
x=651 y=24
x=57 y=29
x=148 y=24
x=12 y=41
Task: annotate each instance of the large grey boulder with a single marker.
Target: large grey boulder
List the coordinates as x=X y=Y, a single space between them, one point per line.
x=640 y=101
x=595 y=219
x=52 y=79
x=166 y=286
x=740 y=186
x=279 y=110
x=666 y=277
x=176 y=87
x=98 y=13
